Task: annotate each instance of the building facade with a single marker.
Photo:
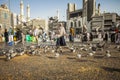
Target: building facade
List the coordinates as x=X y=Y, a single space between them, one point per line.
x=74 y=18
x=80 y=17
x=5 y=17
x=14 y=20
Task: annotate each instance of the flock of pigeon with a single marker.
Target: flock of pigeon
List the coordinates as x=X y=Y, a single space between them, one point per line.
x=81 y=50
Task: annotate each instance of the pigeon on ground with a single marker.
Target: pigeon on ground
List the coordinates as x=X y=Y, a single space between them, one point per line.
x=57 y=55
x=79 y=55
x=108 y=53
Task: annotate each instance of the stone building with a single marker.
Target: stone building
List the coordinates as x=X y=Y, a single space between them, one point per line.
x=103 y=22
x=90 y=16
x=39 y=23
x=5 y=17
x=110 y=18
x=14 y=20
x=79 y=17
x=74 y=18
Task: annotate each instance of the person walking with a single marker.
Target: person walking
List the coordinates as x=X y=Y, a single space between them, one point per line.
x=60 y=35
x=6 y=36
x=105 y=36
x=72 y=33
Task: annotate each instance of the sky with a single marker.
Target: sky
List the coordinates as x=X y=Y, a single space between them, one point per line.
x=48 y=8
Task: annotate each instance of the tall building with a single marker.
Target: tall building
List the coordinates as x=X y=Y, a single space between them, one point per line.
x=5 y=17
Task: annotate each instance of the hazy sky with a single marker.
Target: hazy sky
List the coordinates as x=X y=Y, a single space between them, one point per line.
x=48 y=8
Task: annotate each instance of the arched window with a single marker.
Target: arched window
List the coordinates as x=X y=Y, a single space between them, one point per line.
x=75 y=24
x=79 y=23
x=71 y=24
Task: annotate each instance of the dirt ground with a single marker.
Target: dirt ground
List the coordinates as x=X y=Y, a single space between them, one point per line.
x=66 y=67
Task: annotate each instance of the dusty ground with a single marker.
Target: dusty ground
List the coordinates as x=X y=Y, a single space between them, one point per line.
x=66 y=67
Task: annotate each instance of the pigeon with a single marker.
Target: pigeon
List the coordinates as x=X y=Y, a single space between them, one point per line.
x=21 y=53
x=61 y=50
x=57 y=55
x=108 y=53
x=72 y=49
x=91 y=54
x=79 y=55
x=53 y=50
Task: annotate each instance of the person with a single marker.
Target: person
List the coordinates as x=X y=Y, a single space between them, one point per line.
x=118 y=38
x=6 y=36
x=91 y=36
x=105 y=37
x=19 y=34
x=113 y=33
x=0 y=34
x=71 y=36
x=60 y=35
x=36 y=33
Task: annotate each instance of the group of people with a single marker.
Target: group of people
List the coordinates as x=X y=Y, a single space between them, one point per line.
x=10 y=36
x=60 y=34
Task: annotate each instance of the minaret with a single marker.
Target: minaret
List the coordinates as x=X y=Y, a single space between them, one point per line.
x=58 y=16
x=28 y=13
x=99 y=9
x=85 y=8
x=21 y=11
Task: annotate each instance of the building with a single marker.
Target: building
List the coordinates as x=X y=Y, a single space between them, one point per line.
x=80 y=17
x=39 y=23
x=14 y=20
x=74 y=18
x=104 y=22
x=109 y=19
x=5 y=17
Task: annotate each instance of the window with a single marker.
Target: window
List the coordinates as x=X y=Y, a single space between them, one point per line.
x=79 y=23
x=5 y=15
x=4 y=25
x=75 y=24
x=71 y=24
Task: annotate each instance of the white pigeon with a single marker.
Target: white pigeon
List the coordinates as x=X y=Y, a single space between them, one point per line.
x=57 y=55
x=74 y=50
x=21 y=53
x=79 y=55
x=108 y=53
x=91 y=54
x=53 y=51
x=8 y=58
x=13 y=55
